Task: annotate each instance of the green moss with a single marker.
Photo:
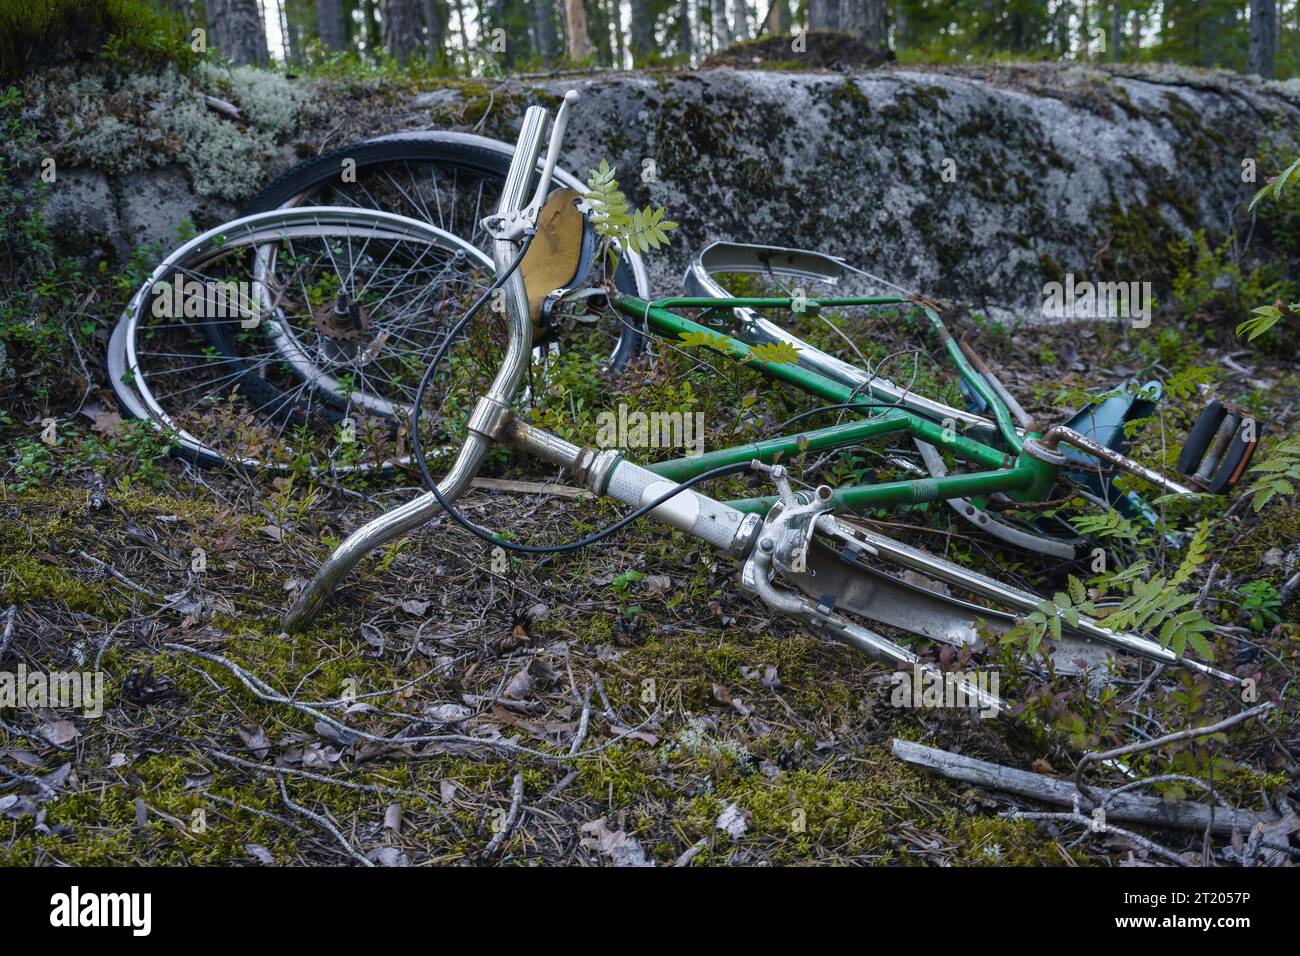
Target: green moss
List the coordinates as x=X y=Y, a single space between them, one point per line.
x=25 y=580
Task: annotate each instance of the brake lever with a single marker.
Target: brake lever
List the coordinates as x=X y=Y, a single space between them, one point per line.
x=515 y=225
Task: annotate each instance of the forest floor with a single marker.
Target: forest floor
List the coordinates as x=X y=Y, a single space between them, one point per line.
x=625 y=704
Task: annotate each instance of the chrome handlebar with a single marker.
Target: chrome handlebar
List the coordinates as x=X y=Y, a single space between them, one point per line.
x=510 y=222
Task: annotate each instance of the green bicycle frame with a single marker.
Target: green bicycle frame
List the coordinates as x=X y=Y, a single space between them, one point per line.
x=1014 y=473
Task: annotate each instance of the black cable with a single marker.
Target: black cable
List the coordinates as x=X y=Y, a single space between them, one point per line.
x=483 y=534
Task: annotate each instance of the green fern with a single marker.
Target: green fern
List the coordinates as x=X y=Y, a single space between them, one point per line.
x=1107 y=524
x=1279 y=473
x=1182 y=385
x=778 y=353
x=1159 y=602
x=708 y=340
x=1150 y=604
x=639 y=230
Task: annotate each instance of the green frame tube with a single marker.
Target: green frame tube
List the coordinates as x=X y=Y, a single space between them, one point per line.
x=1017 y=474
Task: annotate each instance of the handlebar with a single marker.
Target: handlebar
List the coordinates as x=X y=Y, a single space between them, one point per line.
x=511 y=222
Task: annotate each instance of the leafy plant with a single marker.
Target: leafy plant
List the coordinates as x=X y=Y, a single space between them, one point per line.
x=1107 y=524
x=1264 y=317
x=1149 y=602
x=1260 y=604
x=640 y=230
x=1273 y=188
x=1267 y=316
x=1035 y=625
x=1161 y=602
x=1279 y=473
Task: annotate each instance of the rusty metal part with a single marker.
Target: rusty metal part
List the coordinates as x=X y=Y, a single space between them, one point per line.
x=343 y=320
x=1060 y=433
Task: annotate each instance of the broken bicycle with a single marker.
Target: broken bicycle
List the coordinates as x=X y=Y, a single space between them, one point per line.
x=341 y=317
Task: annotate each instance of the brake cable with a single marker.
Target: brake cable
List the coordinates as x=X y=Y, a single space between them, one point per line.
x=483 y=534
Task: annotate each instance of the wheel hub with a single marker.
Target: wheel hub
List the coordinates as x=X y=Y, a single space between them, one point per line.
x=342 y=320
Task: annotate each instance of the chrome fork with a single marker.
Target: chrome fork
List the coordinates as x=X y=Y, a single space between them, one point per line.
x=488 y=415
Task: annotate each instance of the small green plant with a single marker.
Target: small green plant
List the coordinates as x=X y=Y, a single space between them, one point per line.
x=640 y=230
x=1259 y=604
x=1279 y=474
x=622 y=585
x=1265 y=317
x=1149 y=601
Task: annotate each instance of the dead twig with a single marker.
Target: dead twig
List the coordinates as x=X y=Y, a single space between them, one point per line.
x=116 y=574
x=7 y=637
x=1140 y=746
x=1120 y=805
x=1092 y=826
x=323 y=823
x=265 y=692
x=336 y=782
x=512 y=817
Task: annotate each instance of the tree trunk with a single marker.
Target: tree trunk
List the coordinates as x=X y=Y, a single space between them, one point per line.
x=598 y=31
x=1116 y=38
x=464 y=32
x=739 y=21
x=823 y=14
x=577 y=43
x=643 y=31
x=544 y=34
x=401 y=28
x=865 y=19
x=236 y=29
x=290 y=37
x=777 y=20
x=434 y=42
x=1263 y=37
x=329 y=19
x=617 y=37
x=1084 y=36
x=684 y=27
x=721 y=36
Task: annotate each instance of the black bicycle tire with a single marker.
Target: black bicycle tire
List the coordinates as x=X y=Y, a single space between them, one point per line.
x=317 y=171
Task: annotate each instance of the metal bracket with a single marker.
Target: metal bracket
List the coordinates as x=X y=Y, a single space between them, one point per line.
x=514 y=224
x=790 y=526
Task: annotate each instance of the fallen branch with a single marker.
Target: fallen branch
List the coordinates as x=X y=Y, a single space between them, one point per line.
x=1183 y=815
x=220 y=106
x=334 y=782
x=516 y=801
x=116 y=574
x=530 y=488
x=1142 y=745
x=11 y=616
x=263 y=691
x=1074 y=816
x=323 y=823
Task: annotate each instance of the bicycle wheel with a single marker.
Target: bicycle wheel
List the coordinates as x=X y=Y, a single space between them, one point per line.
x=330 y=317
x=450 y=180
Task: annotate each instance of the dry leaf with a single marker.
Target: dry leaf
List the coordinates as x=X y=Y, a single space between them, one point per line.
x=256 y=741
x=59 y=732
